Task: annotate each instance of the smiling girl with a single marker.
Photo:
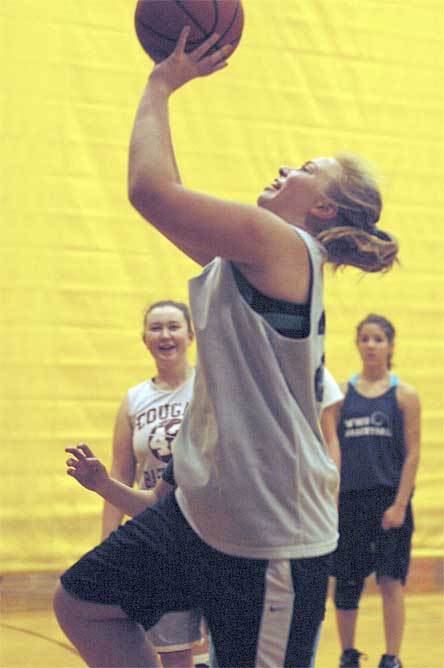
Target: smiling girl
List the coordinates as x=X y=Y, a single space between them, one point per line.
x=146 y=424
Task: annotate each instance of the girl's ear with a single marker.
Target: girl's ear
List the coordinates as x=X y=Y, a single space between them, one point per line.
x=325 y=210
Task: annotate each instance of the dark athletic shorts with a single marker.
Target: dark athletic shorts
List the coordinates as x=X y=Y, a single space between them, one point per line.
x=364 y=547
x=156 y=563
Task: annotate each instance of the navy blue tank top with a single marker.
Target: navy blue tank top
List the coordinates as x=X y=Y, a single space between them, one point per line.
x=372 y=439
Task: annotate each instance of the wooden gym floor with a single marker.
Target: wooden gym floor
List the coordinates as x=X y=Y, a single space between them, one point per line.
x=30 y=637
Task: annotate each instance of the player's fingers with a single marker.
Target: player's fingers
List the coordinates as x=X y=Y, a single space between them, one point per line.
x=222 y=53
x=213 y=64
x=216 y=60
x=201 y=50
x=86 y=450
x=183 y=38
x=76 y=452
x=219 y=66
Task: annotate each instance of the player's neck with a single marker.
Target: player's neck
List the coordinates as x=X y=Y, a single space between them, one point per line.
x=375 y=374
x=172 y=377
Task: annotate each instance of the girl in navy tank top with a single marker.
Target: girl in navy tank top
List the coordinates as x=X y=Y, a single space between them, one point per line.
x=378 y=429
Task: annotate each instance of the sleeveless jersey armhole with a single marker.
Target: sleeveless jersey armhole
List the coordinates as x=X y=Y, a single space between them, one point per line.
x=288 y=319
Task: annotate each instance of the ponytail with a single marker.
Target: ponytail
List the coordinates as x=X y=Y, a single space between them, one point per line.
x=353 y=238
x=347 y=245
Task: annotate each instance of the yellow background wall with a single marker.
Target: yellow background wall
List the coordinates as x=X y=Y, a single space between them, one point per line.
x=78 y=265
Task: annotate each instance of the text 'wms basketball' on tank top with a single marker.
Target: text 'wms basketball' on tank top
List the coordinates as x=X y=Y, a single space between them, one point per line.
x=372 y=439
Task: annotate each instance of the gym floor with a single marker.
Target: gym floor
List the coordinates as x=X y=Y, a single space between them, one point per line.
x=31 y=638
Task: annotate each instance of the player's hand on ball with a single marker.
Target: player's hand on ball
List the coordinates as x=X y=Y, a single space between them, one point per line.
x=181 y=67
x=85 y=467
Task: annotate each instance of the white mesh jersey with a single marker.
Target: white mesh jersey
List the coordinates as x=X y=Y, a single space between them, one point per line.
x=332 y=392
x=254 y=479
x=155 y=416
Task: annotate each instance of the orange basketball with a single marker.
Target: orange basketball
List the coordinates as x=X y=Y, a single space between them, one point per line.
x=159 y=23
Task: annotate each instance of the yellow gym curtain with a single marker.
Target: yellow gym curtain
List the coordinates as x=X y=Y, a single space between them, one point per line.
x=78 y=265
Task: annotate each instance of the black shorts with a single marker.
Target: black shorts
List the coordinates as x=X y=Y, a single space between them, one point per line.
x=156 y=563
x=364 y=546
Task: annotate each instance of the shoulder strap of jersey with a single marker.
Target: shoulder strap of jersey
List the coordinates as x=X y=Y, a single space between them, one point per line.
x=354 y=379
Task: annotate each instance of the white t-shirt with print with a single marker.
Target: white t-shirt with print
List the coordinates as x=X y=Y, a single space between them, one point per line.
x=155 y=416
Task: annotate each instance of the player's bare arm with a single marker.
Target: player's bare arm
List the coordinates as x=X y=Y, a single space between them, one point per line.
x=89 y=471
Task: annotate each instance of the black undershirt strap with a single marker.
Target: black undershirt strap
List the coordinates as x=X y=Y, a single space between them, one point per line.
x=288 y=319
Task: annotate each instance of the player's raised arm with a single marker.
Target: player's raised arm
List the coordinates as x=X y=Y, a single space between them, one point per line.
x=201 y=225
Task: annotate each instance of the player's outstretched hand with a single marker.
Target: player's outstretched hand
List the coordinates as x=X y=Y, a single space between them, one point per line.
x=181 y=67
x=86 y=468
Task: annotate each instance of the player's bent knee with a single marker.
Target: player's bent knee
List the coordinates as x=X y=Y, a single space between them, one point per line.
x=348 y=593
x=63 y=603
x=67 y=606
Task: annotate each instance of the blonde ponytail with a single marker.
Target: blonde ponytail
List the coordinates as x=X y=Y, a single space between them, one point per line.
x=353 y=238
x=346 y=245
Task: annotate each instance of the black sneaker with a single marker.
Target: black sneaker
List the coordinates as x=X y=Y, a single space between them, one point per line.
x=350 y=658
x=389 y=661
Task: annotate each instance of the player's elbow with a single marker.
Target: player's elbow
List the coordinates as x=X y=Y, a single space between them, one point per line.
x=144 y=199
x=153 y=202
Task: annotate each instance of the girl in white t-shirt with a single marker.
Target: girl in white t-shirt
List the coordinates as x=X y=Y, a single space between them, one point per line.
x=146 y=423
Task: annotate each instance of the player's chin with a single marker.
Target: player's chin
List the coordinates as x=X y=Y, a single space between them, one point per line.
x=166 y=354
x=265 y=198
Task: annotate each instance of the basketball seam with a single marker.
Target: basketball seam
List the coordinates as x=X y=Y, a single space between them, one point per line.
x=162 y=35
x=179 y=4
x=194 y=20
x=230 y=25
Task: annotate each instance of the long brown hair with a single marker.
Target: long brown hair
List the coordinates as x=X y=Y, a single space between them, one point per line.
x=353 y=238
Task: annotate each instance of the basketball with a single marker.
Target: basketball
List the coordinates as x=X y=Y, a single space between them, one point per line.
x=159 y=23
